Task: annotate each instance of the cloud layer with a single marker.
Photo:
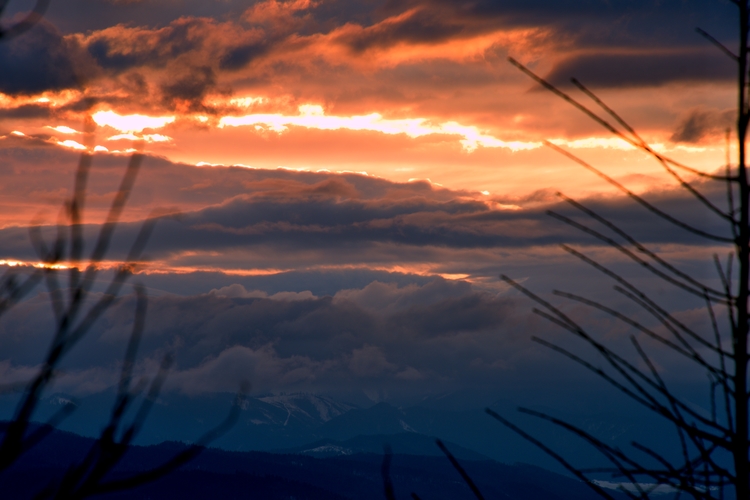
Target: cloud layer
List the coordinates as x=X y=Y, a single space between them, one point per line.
x=423 y=59
x=256 y=221
x=314 y=275
x=403 y=341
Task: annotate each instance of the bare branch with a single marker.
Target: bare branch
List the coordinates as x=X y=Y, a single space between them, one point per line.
x=637 y=292
x=639 y=142
x=648 y=206
x=716 y=295
x=606 y=124
x=718 y=44
x=690 y=354
x=28 y=22
x=640 y=247
x=464 y=475
x=385 y=471
x=570 y=468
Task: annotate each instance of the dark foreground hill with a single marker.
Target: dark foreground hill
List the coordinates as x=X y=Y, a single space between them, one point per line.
x=228 y=475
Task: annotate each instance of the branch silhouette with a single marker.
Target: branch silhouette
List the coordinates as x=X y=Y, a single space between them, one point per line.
x=75 y=313
x=26 y=23
x=714 y=448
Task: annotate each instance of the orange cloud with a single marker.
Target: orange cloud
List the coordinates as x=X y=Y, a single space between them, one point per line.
x=407 y=38
x=279 y=16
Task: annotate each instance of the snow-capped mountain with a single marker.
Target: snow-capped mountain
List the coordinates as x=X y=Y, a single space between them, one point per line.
x=305 y=408
x=323 y=426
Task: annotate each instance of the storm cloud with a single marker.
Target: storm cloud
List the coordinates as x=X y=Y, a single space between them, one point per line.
x=698 y=124
x=274 y=41
x=41 y=60
x=235 y=218
x=644 y=69
x=409 y=340
x=281 y=343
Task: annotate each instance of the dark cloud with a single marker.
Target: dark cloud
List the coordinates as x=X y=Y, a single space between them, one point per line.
x=318 y=283
x=620 y=23
x=39 y=60
x=44 y=110
x=342 y=225
x=287 y=43
x=197 y=41
x=79 y=16
x=643 y=69
x=26 y=111
x=168 y=66
x=192 y=87
x=468 y=313
x=431 y=21
x=700 y=123
x=539 y=10
x=422 y=26
x=364 y=330
x=120 y=48
x=100 y=51
x=240 y=56
x=280 y=343
x=281 y=219
x=416 y=339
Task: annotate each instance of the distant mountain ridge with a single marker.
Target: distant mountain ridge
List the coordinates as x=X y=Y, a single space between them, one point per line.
x=229 y=475
x=271 y=422
x=307 y=409
x=405 y=443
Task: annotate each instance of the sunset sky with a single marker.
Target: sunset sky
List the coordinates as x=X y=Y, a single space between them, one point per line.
x=363 y=169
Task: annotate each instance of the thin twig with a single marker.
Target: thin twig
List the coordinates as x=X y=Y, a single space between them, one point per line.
x=456 y=465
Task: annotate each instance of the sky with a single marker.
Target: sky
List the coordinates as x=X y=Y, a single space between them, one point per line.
x=344 y=181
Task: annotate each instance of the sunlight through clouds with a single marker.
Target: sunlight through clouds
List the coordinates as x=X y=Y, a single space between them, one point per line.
x=313 y=116
x=72 y=144
x=130 y=123
x=595 y=142
x=145 y=137
x=64 y=130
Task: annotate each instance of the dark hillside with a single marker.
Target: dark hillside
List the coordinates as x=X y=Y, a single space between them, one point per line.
x=227 y=475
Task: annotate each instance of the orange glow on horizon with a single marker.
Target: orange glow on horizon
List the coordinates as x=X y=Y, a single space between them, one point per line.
x=148 y=268
x=37 y=265
x=426 y=270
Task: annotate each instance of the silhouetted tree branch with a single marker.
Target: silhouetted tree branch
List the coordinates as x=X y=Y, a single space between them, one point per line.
x=713 y=449
x=26 y=23
x=76 y=311
x=456 y=465
x=385 y=472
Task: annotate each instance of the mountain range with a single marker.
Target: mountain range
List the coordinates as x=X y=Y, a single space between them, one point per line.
x=321 y=426
x=274 y=476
